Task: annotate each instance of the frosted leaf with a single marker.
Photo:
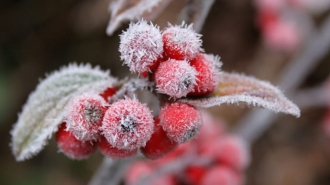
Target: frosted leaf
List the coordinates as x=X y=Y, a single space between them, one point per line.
x=44 y=109
x=241 y=89
x=127 y=10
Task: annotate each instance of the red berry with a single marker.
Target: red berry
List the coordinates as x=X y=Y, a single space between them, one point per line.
x=141 y=46
x=207 y=79
x=71 y=147
x=110 y=151
x=180 y=121
x=159 y=144
x=140 y=171
x=84 y=116
x=222 y=176
x=108 y=93
x=194 y=174
x=233 y=152
x=175 y=78
x=181 y=42
x=127 y=124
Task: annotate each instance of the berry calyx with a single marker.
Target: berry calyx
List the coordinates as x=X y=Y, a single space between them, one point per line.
x=207 y=79
x=72 y=147
x=84 y=116
x=180 y=121
x=141 y=46
x=175 y=78
x=159 y=144
x=127 y=124
x=110 y=151
x=181 y=42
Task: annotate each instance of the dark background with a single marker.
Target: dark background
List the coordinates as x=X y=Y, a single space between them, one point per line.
x=38 y=36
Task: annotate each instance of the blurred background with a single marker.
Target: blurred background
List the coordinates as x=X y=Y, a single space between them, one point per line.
x=252 y=37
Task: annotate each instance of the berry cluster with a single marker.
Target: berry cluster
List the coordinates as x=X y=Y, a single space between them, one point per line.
x=226 y=154
x=174 y=62
x=173 y=59
x=118 y=129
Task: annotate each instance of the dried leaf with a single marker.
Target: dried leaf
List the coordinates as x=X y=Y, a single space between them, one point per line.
x=44 y=109
x=127 y=10
x=241 y=89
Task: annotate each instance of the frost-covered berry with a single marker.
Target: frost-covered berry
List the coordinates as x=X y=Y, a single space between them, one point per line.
x=141 y=46
x=108 y=93
x=71 y=147
x=159 y=144
x=181 y=42
x=127 y=124
x=233 y=152
x=84 y=116
x=139 y=171
x=194 y=174
x=207 y=79
x=110 y=151
x=222 y=176
x=180 y=121
x=175 y=78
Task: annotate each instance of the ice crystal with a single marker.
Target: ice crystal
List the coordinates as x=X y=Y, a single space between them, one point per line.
x=44 y=109
x=127 y=124
x=140 y=46
x=241 y=89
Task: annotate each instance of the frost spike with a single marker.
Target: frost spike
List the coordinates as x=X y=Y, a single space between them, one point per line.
x=236 y=88
x=44 y=109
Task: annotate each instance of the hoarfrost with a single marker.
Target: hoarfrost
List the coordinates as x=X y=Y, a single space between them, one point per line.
x=44 y=109
x=140 y=46
x=241 y=89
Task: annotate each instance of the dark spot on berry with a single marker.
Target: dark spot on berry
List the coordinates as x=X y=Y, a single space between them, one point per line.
x=93 y=114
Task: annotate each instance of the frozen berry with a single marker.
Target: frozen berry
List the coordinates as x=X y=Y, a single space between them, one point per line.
x=180 y=121
x=207 y=79
x=221 y=175
x=194 y=174
x=71 y=147
x=181 y=42
x=233 y=152
x=141 y=46
x=175 y=78
x=159 y=144
x=108 y=93
x=127 y=124
x=110 y=151
x=84 y=116
x=139 y=172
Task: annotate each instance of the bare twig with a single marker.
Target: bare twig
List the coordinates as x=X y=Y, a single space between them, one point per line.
x=195 y=11
x=313 y=97
x=252 y=126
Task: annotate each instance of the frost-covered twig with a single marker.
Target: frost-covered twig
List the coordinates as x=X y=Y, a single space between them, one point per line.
x=195 y=11
x=252 y=126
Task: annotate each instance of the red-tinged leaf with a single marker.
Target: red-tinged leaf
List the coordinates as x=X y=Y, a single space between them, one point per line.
x=241 y=89
x=127 y=10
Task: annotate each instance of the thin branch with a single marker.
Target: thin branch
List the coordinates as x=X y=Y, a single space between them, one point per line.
x=313 y=97
x=195 y=11
x=253 y=125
